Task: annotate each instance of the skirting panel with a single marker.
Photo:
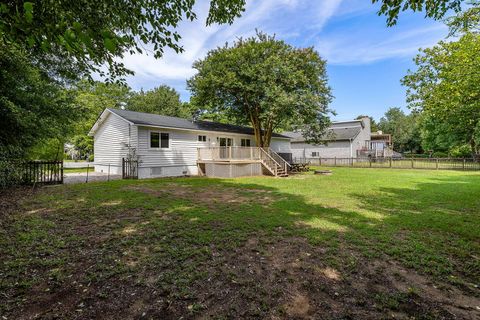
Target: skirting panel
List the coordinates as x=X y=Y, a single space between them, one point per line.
x=232 y=170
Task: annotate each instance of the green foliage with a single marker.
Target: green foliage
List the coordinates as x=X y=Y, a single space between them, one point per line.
x=91 y=99
x=162 y=100
x=446 y=89
x=463 y=151
x=266 y=83
x=403 y=128
x=33 y=106
x=435 y=9
x=78 y=37
x=48 y=149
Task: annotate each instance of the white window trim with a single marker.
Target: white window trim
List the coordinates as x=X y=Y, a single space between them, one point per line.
x=160 y=140
x=250 y=142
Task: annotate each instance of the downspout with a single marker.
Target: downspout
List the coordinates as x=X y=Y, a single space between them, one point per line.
x=351 y=148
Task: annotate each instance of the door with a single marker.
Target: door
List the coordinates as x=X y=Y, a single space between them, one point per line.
x=224 y=143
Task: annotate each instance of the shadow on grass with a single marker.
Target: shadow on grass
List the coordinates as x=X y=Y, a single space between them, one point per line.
x=172 y=237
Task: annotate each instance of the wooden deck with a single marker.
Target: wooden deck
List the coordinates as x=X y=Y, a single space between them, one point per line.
x=241 y=157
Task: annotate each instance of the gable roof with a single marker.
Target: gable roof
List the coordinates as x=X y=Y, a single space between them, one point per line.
x=155 y=120
x=332 y=134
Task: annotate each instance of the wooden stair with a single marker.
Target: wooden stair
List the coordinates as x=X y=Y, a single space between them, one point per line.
x=276 y=165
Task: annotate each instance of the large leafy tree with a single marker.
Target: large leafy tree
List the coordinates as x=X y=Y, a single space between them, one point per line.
x=91 y=98
x=446 y=87
x=403 y=128
x=266 y=83
x=162 y=100
x=78 y=37
x=33 y=107
x=435 y=9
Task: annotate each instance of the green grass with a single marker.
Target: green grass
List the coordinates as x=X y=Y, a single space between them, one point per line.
x=126 y=230
x=79 y=170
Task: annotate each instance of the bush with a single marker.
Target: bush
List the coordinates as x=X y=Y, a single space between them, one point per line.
x=461 y=152
x=439 y=154
x=11 y=173
x=90 y=158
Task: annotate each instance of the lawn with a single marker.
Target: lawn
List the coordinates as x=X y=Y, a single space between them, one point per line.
x=360 y=244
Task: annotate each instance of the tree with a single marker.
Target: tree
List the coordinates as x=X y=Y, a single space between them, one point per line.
x=78 y=37
x=266 y=83
x=403 y=128
x=91 y=99
x=435 y=9
x=162 y=100
x=373 y=123
x=446 y=89
x=33 y=107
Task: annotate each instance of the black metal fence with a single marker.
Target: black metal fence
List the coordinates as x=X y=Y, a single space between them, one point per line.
x=19 y=172
x=129 y=169
x=397 y=163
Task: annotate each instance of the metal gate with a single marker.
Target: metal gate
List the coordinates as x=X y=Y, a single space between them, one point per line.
x=129 y=169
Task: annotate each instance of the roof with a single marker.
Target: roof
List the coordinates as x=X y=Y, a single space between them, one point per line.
x=155 y=120
x=332 y=134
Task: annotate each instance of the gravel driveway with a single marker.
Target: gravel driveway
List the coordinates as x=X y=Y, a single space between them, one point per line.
x=81 y=177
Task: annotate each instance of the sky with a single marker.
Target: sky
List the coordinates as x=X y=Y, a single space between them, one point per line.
x=365 y=59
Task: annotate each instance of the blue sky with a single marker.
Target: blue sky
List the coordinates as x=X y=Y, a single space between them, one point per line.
x=365 y=59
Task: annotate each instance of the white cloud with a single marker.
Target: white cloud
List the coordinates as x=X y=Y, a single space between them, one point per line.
x=285 y=18
x=367 y=46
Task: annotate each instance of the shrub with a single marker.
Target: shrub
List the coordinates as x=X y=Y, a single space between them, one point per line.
x=463 y=151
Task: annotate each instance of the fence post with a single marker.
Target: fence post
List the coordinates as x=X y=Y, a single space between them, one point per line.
x=61 y=170
x=351 y=162
x=335 y=162
x=108 y=175
x=88 y=168
x=412 y=162
x=436 y=163
x=320 y=161
x=464 y=163
x=390 y=162
x=370 y=161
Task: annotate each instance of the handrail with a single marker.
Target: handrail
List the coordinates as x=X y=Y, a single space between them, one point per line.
x=269 y=155
x=275 y=154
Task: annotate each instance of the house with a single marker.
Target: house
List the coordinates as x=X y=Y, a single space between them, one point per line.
x=343 y=139
x=171 y=146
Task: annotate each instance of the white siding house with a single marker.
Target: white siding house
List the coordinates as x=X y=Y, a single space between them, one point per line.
x=165 y=146
x=344 y=139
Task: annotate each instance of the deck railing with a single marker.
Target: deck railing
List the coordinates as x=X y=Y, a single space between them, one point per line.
x=272 y=160
x=229 y=153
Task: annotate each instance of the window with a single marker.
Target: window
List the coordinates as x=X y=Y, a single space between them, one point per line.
x=315 y=154
x=154 y=139
x=245 y=142
x=202 y=138
x=164 y=140
x=159 y=140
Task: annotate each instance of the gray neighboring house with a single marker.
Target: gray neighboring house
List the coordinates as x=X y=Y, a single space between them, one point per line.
x=171 y=146
x=344 y=139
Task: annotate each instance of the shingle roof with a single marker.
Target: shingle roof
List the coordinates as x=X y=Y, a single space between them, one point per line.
x=149 y=119
x=332 y=134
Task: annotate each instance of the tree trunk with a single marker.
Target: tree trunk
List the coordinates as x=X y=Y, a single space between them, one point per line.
x=473 y=145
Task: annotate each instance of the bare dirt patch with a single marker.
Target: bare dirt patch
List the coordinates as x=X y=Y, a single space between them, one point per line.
x=292 y=279
x=210 y=197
